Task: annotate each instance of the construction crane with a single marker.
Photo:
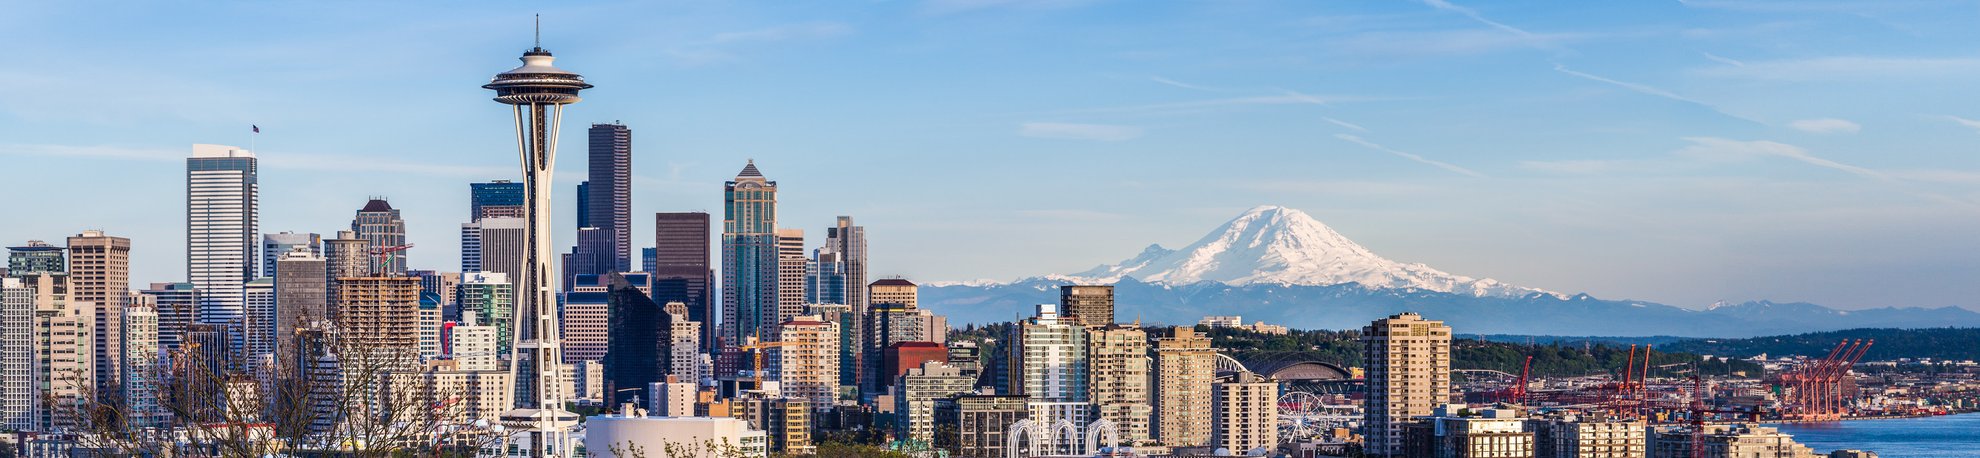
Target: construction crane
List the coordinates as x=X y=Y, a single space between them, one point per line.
x=385 y=258
x=758 y=348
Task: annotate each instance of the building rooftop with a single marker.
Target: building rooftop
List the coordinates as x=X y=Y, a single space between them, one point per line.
x=377 y=205
x=892 y=282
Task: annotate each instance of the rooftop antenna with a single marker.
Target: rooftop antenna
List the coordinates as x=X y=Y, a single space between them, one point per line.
x=539 y=31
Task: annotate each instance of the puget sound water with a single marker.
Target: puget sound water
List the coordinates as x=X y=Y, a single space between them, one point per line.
x=1930 y=437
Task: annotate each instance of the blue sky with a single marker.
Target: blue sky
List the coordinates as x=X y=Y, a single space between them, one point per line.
x=1682 y=152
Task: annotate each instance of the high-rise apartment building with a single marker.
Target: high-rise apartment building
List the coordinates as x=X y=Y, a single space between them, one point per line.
x=175 y=303
x=1117 y=362
x=1573 y=436
x=64 y=350
x=1185 y=366
x=1090 y=305
x=488 y=299
x=1409 y=376
x=100 y=276
x=983 y=421
x=473 y=348
x=139 y=387
x=380 y=315
x=749 y=255
x=807 y=362
x=790 y=274
x=301 y=297
x=1245 y=413
x=916 y=393
x=681 y=271
x=685 y=357
x=381 y=227
x=429 y=326
x=223 y=214
x=898 y=291
x=274 y=246
x=37 y=257
x=18 y=393
x=608 y=199
x=1047 y=362
x=260 y=324
x=499 y=198
x=346 y=256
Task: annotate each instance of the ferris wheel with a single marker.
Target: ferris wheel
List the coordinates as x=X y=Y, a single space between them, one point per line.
x=1300 y=416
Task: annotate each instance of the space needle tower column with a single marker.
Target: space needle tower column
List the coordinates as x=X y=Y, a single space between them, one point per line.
x=538 y=426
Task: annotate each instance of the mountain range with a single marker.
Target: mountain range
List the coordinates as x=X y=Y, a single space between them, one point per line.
x=1282 y=266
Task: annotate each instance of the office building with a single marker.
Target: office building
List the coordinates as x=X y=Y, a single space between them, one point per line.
x=100 y=276
x=1047 y=361
x=381 y=228
x=1453 y=432
x=138 y=390
x=222 y=221
x=175 y=303
x=274 y=246
x=499 y=198
x=982 y=423
x=498 y=244
x=681 y=270
x=749 y=255
x=608 y=194
x=825 y=277
x=897 y=291
x=18 y=393
x=638 y=347
x=1245 y=413
x=258 y=328
x=1117 y=362
x=1571 y=436
x=884 y=325
x=916 y=393
x=1185 y=366
x=593 y=253
x=301 y=297
x=585 y=316
x=1090 y=305
x=1409 y=376
x=345 y=256
x=807 y=360
x=790 y=274
x=446 y=285
x=848 y=241
x=488 y=299
x=899 y=357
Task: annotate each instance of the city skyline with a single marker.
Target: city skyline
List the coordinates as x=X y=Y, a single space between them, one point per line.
x=1640 y=161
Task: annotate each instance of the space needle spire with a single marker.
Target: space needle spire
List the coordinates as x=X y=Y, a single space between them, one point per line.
x=538 y=425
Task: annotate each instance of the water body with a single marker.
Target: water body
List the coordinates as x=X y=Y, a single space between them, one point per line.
x=1929 y=437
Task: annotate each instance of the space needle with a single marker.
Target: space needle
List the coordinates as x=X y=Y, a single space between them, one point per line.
x=538 y=425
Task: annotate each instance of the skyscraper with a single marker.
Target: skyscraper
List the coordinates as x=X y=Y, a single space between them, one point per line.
x=100 y=275
x=1185 y=366
x=380 y=316
x=807 y=365
x=63 y=351
x=608 y=198
x=593 y=253
x=749 y=255
x=790 y=274
x=258 y=326
x=538 y=92
x=139 y=388
x=499 y=198
x=639 y=346
x=274 y=246
x=17 y=355
x=849 y=241
x=301 y=298
x=175 y=302
x=488 y=299
x=1409 y=375
x=897 y=291
x=497 y=246
x=825 y=277
x=1091 y=305
x=1117 y=362
x=681 y=271
x=223 y=212
x=346 y=256
x=1048 y=362
x=381 y=227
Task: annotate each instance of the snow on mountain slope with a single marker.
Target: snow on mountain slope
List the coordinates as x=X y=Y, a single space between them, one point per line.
x=1278 y=245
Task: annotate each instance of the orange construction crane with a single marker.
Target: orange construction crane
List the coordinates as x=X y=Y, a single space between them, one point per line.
x=385 y=258
x=758 y=347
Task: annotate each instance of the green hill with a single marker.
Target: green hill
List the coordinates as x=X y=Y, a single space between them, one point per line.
x=1936 y=343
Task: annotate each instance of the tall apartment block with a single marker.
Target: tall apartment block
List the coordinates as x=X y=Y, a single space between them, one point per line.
x=1048 y=363
x=1117 y=363
x=18 y=396
x=345 y=256
x=807 y=362
x=274 y=246
x=222 y=221
x=790 y=274
x=1185 y=366
x=1409 y=376
x=917 y=392
x=681 y=271
x=1090 y=305
x=258 y=326
x=379 y=315
x=608 y=194
x=749 y=255
x=100 y=276
x=1246 y=413
x=381 y=227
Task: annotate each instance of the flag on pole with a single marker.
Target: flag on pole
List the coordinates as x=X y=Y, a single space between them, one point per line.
x=257 y=129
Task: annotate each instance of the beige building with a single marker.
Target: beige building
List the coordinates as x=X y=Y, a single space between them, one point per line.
x=1452 y=432
x=893 y=291
x=1090 y=305
x=100 y=275
x=446 y=394
x=1117 y=362
x=1408 y=376
x=63 y=366
x=807 y=360
x=1729 y=441
x=790 y=274
x=1185 y=366
x=1245 y=413
x=379 y=315
x=1582 y=437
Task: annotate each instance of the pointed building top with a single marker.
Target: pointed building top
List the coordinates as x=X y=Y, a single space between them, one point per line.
x=377 y=205
x=749 y=170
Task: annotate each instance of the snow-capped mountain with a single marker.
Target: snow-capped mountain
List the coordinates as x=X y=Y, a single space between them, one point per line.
x=1284 y=246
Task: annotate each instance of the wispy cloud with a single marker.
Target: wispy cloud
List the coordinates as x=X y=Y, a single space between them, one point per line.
x=1284 y=97
x=1724 y=60
x=1715 y=148
x=1349 y=125
x=941 y=7
x=1096 y=132
x=1826 y=126
x=1475 y=16
x=1650 y=90
x=718 y=48
x=1571 y=167
x=1974 y=124
x=1850 y=68
x=1183 y=85
x=283 y=160
x=1407 y=155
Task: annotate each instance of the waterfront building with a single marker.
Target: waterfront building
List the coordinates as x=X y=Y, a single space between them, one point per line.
x=749 y=255
x=1587 y=437
x=1409 y=375
x=1185 y=366
x=222 y=220
x=381 y=227
x=1728 y=441
x=100 y=278
x=1089 y=305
